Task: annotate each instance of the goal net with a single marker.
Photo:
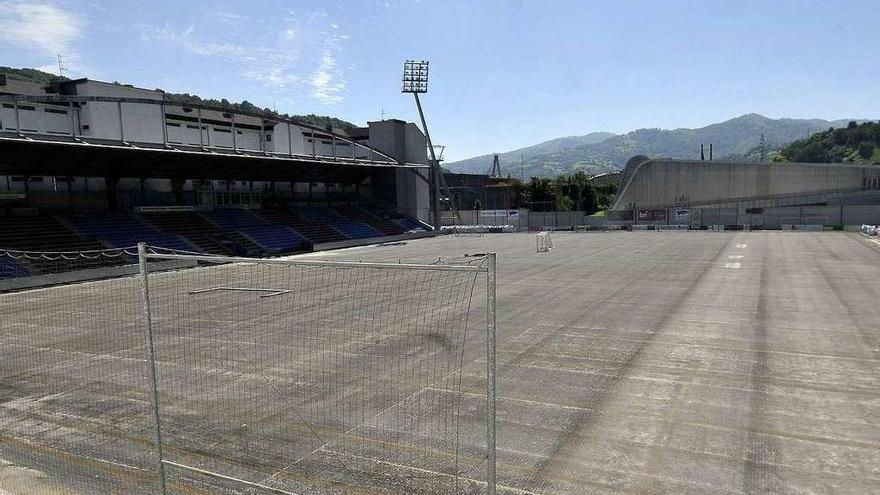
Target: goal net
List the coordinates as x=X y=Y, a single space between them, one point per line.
x=145 y=371
x=74 y=406
x=543 y=242
x=297 y=375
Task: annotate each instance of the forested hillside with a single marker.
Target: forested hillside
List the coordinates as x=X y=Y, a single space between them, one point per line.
x=855 y=143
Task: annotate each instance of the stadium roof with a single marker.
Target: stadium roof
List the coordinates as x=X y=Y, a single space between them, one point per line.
x=25 y=156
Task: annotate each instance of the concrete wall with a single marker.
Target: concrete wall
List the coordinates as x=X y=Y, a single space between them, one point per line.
x=36 y=118
x=768 y=218
x=141 y=122
x=771 y=218
x=404 y=141
x=663 y=183
x=286 y=138
x=523 y=220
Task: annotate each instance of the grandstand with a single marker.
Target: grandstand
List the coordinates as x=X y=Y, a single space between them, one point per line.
x=88 y=165
x=231 y=231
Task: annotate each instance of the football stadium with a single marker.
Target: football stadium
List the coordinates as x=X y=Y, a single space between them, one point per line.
x=195 y=300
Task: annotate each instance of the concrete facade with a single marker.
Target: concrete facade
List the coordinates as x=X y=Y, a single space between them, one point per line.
x=140 y=123
x=663 y=183
x=404 y=141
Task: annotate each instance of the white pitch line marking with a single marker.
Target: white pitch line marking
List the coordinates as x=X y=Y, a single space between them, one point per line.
x=742 y=246
x=733 y=266
x=735 y=257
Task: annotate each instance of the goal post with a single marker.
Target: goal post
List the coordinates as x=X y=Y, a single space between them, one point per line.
x=338 y=370
x=157 y=369
x=543 y=242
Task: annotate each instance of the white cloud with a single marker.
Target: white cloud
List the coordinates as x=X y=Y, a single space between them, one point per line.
x=327 y=81
x=229 y=16
x=41 y=27
x=185 y=40
x=325 y=84
x=275 y=77
x=295 y=58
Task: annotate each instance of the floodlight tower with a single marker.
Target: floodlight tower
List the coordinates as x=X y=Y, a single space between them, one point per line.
x=415 y=81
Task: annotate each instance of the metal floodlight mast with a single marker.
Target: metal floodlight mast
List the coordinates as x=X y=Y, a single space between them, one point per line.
x=415 y=81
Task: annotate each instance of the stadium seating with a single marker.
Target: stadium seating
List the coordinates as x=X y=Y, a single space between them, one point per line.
x=378 y=223
x=10 y=268
x=355 y=230
x=409 y=224
x=319 y=214
x=351 y=228
x=222 y=231
x=234 y=218
x=123 y=230
x=206 y=236
x=314 y=232
x=42 y=233
x=278 y=238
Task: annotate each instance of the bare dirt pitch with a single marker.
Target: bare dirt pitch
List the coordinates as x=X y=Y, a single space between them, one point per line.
x=679 y=362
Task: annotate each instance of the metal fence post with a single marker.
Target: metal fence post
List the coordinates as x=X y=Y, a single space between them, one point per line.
x=154 y=386
x=72 y=119
x=165 y=125
x=121 y=122
x=17 y=118
x=289 y=141
x=490 y=375
x=201 y=136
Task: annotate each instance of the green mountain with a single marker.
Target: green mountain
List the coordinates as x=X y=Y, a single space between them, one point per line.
x=735 y=139
x=536 y=156
x=855 y=143
x=45 y=78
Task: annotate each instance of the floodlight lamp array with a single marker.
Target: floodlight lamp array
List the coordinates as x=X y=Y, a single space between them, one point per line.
x=415 y=76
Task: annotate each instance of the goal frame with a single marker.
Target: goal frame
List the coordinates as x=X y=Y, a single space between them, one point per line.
x=489 y=268
x=543 y=242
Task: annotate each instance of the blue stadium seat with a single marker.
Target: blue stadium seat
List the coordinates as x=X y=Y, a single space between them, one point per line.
x=9 y=268
x=355 y=230
x=274 y=237
x=234 y=218
x=410 y=224
x=123 y=230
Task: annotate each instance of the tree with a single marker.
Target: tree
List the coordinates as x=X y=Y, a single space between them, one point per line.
x=539 y=193
x=866 y=149
x=563 y=203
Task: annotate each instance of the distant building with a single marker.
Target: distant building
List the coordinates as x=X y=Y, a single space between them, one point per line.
x=482 y=192
x=606 y=179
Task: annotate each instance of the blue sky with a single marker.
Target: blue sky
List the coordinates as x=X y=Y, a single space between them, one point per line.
x=505 y=73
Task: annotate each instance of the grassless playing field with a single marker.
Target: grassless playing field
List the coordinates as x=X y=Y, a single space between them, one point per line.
x=645 y=362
